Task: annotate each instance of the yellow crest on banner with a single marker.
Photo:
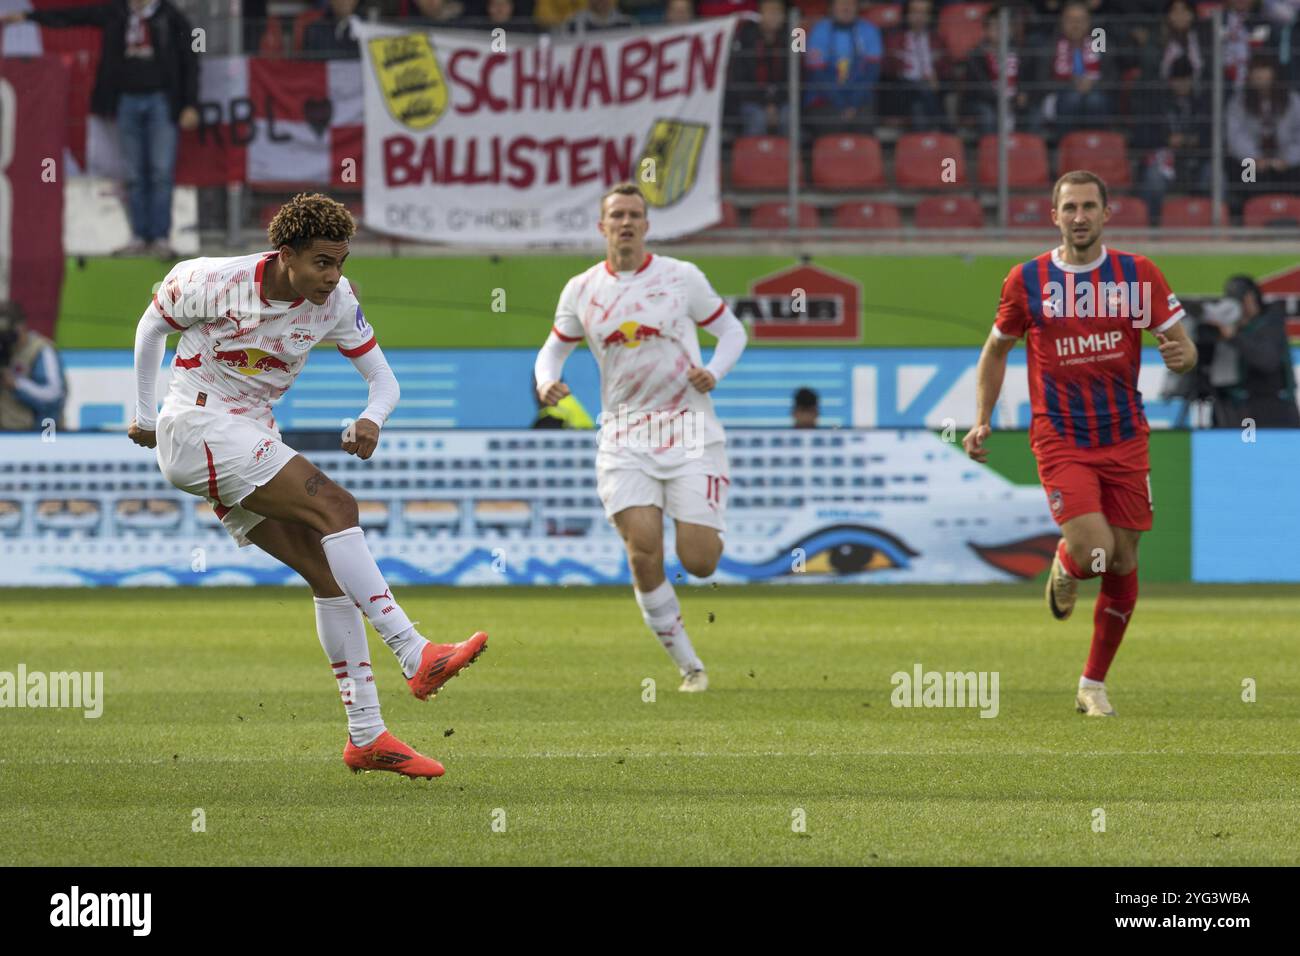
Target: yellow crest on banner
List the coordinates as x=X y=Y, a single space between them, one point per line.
x=410 y=79
x=669 y=162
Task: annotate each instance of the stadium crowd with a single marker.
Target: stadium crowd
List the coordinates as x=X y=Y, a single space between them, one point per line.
x=1123 y=88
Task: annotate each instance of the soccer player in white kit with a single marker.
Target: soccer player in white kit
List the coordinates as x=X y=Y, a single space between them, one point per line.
x=247 y=325
x=662 y=448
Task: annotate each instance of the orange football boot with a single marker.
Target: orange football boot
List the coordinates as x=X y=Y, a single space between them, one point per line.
x=441 y=662
x=389 y=753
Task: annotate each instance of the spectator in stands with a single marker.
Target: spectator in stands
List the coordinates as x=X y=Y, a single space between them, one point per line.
x=1245 y=33
x=1177 y=135
x=679 y=11
x=330 y=37
x=760 y=70
x=435 y=13
x=599 y=15
x=1250 y=363
x=552 y=14
x=915 y=63
x=1074 y=74
x=32 y=387
x=1264 y=126
x=501 y=15
x=843 y=66
x=148 y=81
x=805 y=409
x=979 y=77
x=1180 y=35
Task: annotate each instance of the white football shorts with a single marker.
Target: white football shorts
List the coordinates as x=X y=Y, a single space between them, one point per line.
x=694 y=491
x=222 y=458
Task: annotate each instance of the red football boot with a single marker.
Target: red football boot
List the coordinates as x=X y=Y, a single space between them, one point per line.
x=389 y=753
x=441 y=662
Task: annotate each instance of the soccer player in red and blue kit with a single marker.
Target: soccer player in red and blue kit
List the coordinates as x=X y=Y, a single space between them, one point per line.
x=1082 y=309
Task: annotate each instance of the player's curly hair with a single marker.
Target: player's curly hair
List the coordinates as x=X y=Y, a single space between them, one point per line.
x=308 y=217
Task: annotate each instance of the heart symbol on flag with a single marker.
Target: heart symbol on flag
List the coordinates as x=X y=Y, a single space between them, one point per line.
x=318 y=113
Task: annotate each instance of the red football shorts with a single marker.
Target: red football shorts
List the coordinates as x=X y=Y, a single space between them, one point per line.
x=1115 y=481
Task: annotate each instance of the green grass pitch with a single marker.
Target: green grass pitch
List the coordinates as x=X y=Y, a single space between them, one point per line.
x=222 y=700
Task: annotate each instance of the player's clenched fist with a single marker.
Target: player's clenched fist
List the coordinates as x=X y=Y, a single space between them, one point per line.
x=141 y=437
x=552 y=392
x=360 y=438
x=974 y=442
x=1177 y=353
x=702 y=379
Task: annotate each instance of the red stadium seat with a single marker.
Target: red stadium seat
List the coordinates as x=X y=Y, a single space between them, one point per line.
x=886 y=16
x=1188 y=212
x=776 y=215
x=1128 y=212
x=961 y=27
x=850 y=161
x=867 y=215
x=919 y=160
x=730 y=217
x=1098 y=151
x=948 y=212
x=1026 y=160
x=760 y=162
x=1030 y=212
x=1274 y=209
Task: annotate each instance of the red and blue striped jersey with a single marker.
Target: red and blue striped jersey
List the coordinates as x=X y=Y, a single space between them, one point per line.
x=1083 y=330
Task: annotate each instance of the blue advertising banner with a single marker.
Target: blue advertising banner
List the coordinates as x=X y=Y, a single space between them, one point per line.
x=492 y=388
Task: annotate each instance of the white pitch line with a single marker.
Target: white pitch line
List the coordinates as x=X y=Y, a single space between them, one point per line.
x=601 y=755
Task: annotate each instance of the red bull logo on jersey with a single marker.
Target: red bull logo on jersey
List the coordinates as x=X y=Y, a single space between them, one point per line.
x=631 y=334
x=1085 y=299
x=250 y=361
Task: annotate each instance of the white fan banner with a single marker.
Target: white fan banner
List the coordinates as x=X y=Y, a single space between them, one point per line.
x=495 y=139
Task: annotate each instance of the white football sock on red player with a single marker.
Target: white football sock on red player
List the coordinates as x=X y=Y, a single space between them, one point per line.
x=342 y=633
x=356 y=572
x=663 y=615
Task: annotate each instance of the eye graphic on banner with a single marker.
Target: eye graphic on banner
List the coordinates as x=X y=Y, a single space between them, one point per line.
x=410 y=79
x=674 y=148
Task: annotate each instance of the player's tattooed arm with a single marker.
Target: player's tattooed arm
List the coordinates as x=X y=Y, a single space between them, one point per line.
x=315 y=483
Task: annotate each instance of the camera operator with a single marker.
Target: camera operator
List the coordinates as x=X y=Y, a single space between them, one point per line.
x=1250 y=367
x=32 y=387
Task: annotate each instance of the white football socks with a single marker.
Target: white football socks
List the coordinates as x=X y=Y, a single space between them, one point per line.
x=663 y=615
x=342 y=633
x=356 y=572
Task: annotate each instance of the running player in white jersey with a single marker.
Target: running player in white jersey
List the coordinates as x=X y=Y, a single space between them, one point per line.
x=247 y=325
x=662 y=448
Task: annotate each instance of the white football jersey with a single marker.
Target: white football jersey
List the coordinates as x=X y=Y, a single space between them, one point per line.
x=240 y=352
x=640 y=326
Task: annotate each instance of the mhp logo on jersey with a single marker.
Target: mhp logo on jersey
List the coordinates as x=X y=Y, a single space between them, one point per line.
x=805 y=302
x=673 y=149
x=410 y=79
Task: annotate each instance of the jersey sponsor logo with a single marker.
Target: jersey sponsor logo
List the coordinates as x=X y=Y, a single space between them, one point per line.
x=630 y=335
x=362 y=324
x=673 y=151
x=300 y=339
x=1097 y=300
x=410 y=79
x=805 y=302
x=1088 y=345
x=250 y=361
